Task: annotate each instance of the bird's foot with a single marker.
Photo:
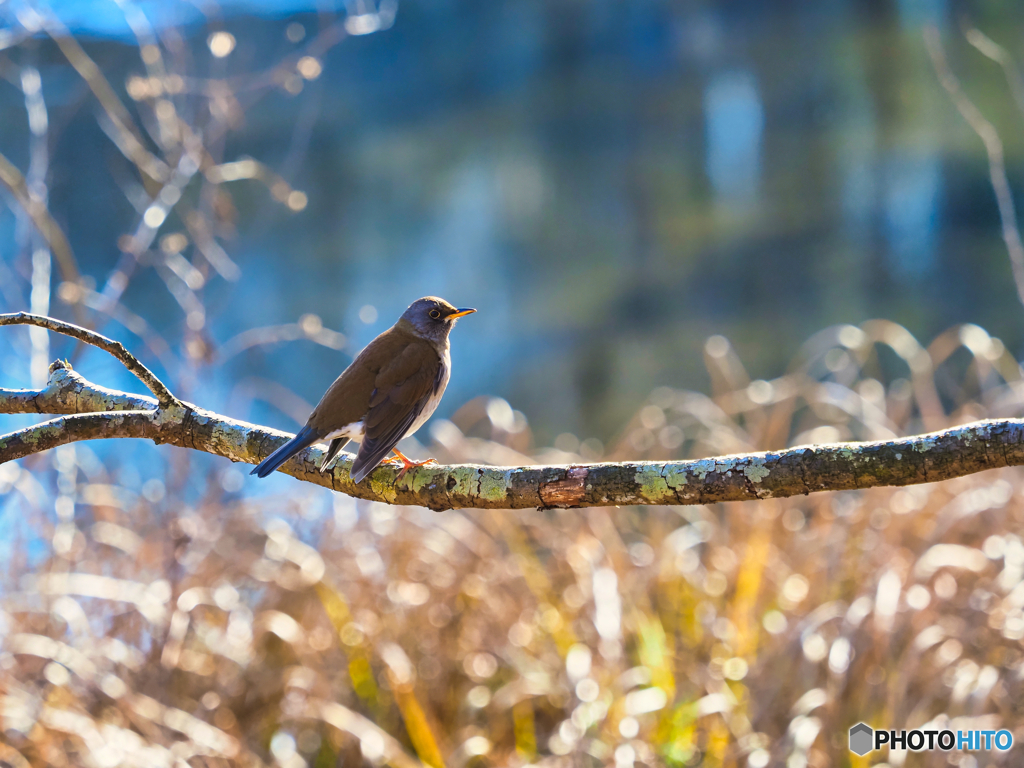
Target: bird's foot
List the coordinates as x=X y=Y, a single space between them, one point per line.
x=407 y=463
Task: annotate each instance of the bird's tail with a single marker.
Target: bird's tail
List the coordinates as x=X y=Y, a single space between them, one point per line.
x=303 y=439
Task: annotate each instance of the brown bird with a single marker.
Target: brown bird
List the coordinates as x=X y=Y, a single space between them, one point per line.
x=387 y=393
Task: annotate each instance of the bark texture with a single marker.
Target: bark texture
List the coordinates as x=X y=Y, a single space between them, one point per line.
x=89 y=412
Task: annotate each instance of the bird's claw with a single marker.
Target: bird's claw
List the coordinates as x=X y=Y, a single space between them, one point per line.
x=412 y=465
x=407 y=463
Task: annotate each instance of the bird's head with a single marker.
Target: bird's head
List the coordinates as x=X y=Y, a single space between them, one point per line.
x=433 y=318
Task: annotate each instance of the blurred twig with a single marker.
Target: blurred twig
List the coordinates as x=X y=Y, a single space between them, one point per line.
x=993 y=148
x=990 y=48
x=51 y=232
x=273 y=393
x=35 y=181
x=130 y=140
x=309 y=327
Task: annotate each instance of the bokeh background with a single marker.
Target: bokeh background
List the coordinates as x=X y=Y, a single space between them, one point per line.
x=690 y=228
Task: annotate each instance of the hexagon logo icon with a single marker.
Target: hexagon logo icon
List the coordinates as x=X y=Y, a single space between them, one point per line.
x=861 y=738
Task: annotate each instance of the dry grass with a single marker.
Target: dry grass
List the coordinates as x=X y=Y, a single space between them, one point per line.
x=312 y=629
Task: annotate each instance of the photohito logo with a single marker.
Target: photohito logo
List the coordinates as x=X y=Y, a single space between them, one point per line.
x=864 y=739
x=860 y=739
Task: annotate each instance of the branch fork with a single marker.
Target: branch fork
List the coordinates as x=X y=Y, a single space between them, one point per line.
x=88 y=411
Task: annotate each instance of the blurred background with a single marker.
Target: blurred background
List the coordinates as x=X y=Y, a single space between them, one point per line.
x=690 y=229
x=610 y=184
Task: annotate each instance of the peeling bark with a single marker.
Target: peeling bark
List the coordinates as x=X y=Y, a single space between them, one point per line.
x=90 y=412
x=567 y=492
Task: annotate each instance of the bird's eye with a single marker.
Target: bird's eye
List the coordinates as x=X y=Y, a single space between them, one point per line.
x=435 y=313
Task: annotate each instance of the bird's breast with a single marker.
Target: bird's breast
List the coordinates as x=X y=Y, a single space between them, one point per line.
x=444 y=372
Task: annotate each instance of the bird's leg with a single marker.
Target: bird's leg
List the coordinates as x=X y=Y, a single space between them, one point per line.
x=408 y=463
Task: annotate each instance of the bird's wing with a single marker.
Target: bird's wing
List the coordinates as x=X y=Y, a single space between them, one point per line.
x=403 y=388
x=347 y=400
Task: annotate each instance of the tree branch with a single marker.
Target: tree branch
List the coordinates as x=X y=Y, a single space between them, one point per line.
x=91 y=412
x=116 y=348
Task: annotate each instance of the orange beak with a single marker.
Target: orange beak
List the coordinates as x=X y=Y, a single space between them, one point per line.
x=460 y=313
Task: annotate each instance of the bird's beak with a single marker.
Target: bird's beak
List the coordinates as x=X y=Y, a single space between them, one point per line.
x=460 y=313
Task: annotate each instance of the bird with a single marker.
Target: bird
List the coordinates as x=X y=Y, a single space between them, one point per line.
x=387 y=393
